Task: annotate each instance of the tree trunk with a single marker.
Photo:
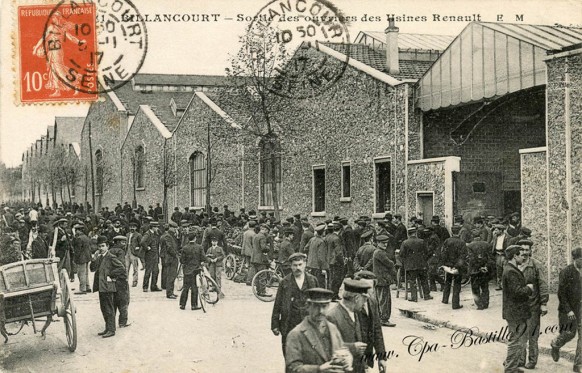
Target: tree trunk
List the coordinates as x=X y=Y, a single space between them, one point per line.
x=92 y=171
x=274 y=184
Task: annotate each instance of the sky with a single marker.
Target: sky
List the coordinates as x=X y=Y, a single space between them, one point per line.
x=204 y=47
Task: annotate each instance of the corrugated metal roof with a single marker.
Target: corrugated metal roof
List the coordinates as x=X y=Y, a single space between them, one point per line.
x=489 y=60
x=412 y=41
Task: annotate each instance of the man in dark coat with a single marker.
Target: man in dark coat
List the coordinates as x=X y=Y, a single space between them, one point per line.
x=385 y=273
x=371 y=324
x=335 y=252
x=149 y=244
x=346 y=316
x=286 y=250
x=363 y=259
x=306 y=236
x=291 y=300
x=570 y=308
x=107 y=268
x=121 y=297
x=40 y=246
x=499 y=242
x=313 y=343
x=480 y=263
x=414 y=255
x=454 y=257
x=169 y=247
x=192 y=257
x=441 y=231
x=158 y=212
x=259 y=257
x=515 y=306
x=350 y=245
x=82 y=257
x=317 y=260
x=400 y=233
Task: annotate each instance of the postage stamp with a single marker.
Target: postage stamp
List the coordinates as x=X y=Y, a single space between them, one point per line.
x=303 y=31
x=73 y=51
x=55 y=50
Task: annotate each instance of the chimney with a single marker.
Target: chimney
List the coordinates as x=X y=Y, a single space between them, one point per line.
x=392 y=47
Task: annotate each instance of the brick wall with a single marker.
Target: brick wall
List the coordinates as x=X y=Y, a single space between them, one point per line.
x=494 y=145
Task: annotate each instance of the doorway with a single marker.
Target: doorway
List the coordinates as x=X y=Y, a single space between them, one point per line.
x=424 y=206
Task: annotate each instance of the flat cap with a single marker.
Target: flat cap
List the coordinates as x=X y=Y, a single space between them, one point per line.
x=154 y=224
x=319 y=295
x=297 y=256
x=367 y=234
x=320 y=227
x=366 y=275
x=499 y=226
x=411 y=230
x=356 y=286
x=119 y=238
x=173 y=224
x=525 y=231
x=525 y=242
x=382 y=238
x=435 y=218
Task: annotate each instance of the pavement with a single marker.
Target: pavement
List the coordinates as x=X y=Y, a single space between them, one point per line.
x=481 y=322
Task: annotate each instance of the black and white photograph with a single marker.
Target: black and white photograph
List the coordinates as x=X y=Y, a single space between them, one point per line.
x=294 y=186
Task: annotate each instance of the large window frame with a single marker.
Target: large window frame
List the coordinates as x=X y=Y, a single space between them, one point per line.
x=198 y=179
x=318 y=196
x=387 y=205
x=140 y=167
x=346 y=180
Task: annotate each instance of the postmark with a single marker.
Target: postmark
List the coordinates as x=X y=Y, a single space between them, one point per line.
x=49 y=44
x=305 y=30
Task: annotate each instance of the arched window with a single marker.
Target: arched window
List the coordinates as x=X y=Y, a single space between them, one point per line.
x=99 y=172
x=197 y=166
x=139 y=167
x=270 y=153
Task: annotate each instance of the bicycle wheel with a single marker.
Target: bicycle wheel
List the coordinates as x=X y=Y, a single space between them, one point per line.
x=265 y=284
x=201 y=291
x=179 y=282
x=212 y=294
x=229 y=266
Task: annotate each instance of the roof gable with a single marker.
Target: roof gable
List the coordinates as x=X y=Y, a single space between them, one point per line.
x=407 y=41
x=68 y=130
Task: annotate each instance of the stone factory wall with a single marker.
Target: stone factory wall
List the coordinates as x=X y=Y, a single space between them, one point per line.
x=226 y=157
x=108 y=127
x=143 y=133
x=564 y=134
x=534 y=186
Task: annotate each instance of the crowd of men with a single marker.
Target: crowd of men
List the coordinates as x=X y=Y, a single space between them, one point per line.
x=363 y=258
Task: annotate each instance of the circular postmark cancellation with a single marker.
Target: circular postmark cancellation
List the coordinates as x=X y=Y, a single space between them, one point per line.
x=120 y=37
x=314 y=38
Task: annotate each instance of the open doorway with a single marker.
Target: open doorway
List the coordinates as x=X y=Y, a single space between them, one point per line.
x=383 y=184
x=425 y=206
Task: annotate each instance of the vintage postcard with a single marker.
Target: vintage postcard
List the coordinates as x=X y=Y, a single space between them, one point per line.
x=290 y=186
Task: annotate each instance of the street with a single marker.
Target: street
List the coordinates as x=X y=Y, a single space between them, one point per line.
x=233 y=336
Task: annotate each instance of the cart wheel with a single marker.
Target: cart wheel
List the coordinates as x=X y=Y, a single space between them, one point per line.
x=179 y=282
x=212 y=294
x=230 y=266
x=70 y=310
x=202 y=289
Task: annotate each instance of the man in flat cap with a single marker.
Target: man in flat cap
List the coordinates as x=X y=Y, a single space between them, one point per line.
x=40 y=246
x=306 y=236
x=516 y=293
x=83 y=250
x=346 y=316
x=500 y=242
x=316 y=345
x=150 y=244
x=169 y=258
x=524 y=234
x=247 y=248
x=61 y=244
x=385 y=274
x=335 y=252
x=133 y=252
x=363 y=259
x=514 y=225
x=121 y=297
x=260 y=255
x=291 y=300
x=414 y=254
x=286 y=249
x=532 y=270
x=480 y=264
x=370 y=321
x=454 y=256
x=317 y=259
x=107 y=269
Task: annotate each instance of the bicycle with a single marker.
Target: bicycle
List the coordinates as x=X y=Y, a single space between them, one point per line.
x=208 y=289
x=268 y=280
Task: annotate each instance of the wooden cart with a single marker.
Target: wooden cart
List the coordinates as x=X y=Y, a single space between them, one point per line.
x=34 y=289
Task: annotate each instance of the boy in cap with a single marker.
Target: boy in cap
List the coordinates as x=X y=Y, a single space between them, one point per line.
x=215 y=255
x=82 y=257
x=291 y=300
x=316 y=345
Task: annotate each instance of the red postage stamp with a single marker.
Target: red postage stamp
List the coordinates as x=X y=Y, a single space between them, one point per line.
x=57 y=50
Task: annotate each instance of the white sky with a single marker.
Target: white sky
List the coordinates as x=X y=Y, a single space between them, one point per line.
x=203 y=48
